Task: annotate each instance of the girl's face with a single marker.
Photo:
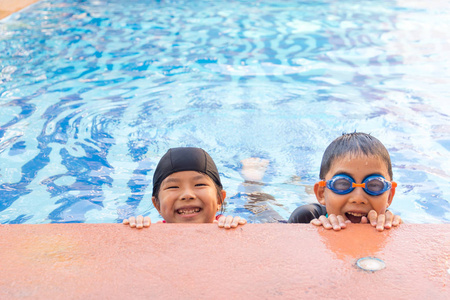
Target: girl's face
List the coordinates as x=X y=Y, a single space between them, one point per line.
x=356 y=204
x=188 y=197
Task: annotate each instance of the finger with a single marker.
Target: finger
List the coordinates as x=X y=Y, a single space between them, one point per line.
x=147 y=222
x=380 y=222
x=139 y=222
x=132 y=222
x=228 y=221
x=242 y=221
x=325 y=222
x=334 y=222
x=125 y=222
x=316 y=222
x=222 y=221
x=364 y=220
x=397 y=221
x=235 y=222
x=389 y=218
x=341 y=221
x=372 y=217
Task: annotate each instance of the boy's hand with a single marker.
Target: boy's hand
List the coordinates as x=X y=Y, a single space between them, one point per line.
x=383 y=221
x=228 y=222
x=332 y=222
x=138 y=222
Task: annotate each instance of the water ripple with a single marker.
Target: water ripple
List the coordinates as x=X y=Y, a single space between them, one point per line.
x=91 y=98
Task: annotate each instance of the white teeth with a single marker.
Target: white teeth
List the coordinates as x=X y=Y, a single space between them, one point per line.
x=186 y=211
x=356 y=214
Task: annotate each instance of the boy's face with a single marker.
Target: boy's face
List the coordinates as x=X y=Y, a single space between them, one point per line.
x=357 y=203
x=188 y=197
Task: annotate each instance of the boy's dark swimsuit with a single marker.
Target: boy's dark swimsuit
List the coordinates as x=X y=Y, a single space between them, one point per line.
x=306 y=213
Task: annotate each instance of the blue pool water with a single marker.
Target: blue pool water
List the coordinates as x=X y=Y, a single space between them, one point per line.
x=93 y=93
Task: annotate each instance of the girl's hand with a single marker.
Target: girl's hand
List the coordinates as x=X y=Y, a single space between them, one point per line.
x=228 y=222
x=138 y=222
x=335 y=222
x=383 y=221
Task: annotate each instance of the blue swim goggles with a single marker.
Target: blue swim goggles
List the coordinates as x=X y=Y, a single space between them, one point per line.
x=373 y=185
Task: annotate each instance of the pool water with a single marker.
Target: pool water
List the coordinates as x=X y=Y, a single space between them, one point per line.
x=93 y=93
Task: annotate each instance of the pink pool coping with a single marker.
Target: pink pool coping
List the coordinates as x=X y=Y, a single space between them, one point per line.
x=256 y=261
x=8 y=7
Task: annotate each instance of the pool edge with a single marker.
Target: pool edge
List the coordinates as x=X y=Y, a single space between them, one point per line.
x=170 y=261
x=8 y=7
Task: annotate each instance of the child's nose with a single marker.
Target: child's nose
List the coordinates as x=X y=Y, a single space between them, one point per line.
x=187 y=194
x=358 y=196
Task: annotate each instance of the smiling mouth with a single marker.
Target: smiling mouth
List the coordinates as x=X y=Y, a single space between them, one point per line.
x=188 y=211
x=355 y=217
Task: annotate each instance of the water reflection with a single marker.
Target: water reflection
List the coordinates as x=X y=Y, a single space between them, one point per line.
x=355 y=241
x=90 y=99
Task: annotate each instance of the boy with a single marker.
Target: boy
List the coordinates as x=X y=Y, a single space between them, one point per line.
x=356 y=186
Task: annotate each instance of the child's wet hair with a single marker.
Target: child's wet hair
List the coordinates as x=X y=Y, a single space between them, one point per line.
x=356 y=143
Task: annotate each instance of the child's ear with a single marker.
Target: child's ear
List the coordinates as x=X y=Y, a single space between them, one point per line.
x=320 y=193
x=156 y=204
x=221 y=201
x=391 y=196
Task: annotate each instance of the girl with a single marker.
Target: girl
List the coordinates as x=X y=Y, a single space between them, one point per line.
x=187 y=189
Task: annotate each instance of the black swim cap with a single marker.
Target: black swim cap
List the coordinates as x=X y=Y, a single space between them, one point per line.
x=184 y=159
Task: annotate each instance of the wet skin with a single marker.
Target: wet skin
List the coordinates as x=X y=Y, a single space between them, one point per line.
x=188 y=197
x=357 y=204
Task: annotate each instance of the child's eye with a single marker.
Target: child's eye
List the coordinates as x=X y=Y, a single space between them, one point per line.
x=375 y=185
x=342 y=184
x=171 y=187
x=201 y=184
